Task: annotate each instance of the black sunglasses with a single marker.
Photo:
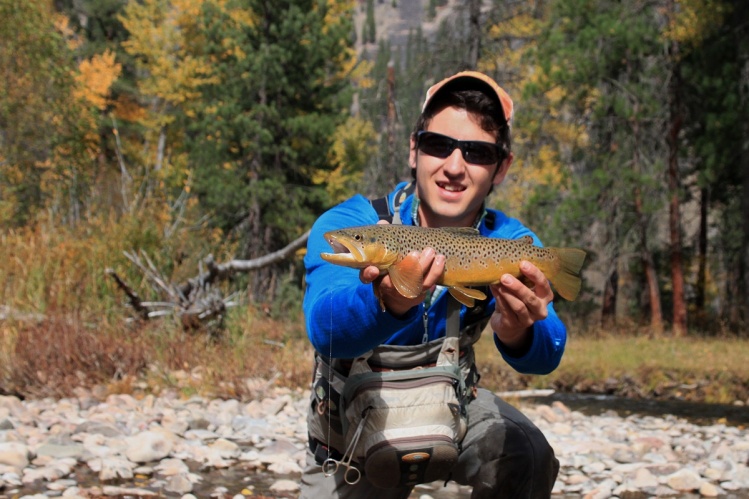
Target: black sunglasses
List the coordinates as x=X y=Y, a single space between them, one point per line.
x=475 y=152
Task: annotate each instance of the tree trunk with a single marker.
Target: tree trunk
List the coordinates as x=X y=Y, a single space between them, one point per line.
x=610 y=291
x=744 y=161
x=392 y=160
x=474 y=43
x=648 y=265
x=700 y=297
x=674 y=187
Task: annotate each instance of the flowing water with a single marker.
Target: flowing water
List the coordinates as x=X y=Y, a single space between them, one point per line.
x=694 y=412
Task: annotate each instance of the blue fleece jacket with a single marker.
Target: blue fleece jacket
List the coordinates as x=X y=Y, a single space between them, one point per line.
x=344 y=319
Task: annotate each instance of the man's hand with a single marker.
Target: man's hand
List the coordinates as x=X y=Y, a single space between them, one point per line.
x=432 y=266
x=518 y=307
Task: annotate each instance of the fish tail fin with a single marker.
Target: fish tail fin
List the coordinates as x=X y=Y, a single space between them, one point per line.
x=567 y=282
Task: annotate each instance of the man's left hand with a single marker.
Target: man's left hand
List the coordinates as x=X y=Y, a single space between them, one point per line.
x=518 y=306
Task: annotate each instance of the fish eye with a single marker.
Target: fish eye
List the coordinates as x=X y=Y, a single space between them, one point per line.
x=358 y=237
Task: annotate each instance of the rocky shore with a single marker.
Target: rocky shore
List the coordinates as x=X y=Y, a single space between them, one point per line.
x=167 y=446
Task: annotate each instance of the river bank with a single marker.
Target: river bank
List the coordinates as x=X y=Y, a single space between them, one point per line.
x=166 y=446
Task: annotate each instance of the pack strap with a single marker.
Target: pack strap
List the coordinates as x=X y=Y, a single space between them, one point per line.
x=452 y=327
x=382 y=206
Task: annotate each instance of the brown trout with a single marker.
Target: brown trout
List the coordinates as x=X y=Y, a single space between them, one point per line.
x=471 y=259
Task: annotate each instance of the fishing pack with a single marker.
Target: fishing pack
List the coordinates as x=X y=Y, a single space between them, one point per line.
x=400 y=427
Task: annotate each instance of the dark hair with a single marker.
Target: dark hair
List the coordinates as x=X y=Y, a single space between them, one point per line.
x=488 y=110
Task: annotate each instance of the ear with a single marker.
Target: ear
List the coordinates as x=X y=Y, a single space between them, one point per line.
x=502 y=170
x=412 y=153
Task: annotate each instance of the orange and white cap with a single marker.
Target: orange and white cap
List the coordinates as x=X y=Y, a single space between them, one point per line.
x=473 y=80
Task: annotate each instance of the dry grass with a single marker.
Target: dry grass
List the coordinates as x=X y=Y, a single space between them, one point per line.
x=58 y=356
x=55 y=357
x=706 y=369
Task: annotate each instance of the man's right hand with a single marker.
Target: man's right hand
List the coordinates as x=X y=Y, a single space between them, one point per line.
x=432 y=266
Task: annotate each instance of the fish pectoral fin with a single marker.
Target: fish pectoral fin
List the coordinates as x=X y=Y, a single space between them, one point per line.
x=467 y=296
x=407 y=277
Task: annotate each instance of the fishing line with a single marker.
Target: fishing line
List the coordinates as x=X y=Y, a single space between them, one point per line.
x=330 y=371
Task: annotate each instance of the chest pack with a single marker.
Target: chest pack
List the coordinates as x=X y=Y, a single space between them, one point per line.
x=399 y=426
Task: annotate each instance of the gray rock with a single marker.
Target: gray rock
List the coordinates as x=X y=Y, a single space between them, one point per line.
x=57 y=450
x=112 y=468
x=685 y=480
x=285 y=486
x=14 y=454
x=600 y=456
x=148 y=446
x=97 y=428
x=179 y=483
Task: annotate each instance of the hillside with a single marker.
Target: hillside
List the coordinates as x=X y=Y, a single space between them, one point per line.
x=394 y=22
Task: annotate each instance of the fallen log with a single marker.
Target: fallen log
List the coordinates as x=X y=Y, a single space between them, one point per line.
x=197 y=302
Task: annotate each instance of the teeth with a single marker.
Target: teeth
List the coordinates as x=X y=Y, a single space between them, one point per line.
x=451 y=188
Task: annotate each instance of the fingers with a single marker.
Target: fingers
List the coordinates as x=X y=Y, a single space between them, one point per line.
x=519 y=304
x=433 y=265
x=541 y=287
x=369 y=274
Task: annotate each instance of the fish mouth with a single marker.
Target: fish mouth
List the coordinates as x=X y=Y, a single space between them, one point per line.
x=343 y=250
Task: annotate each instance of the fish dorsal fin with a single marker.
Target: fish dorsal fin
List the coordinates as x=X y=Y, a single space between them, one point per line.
x=461 y=231
x=467 y=296
x=525 y=240
x=407 y=277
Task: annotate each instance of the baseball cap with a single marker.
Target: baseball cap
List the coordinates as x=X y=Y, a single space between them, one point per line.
x=473 y=80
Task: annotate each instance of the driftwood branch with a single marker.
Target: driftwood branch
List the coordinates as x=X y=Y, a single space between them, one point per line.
x=222 y=271
x=195 y=302
x=135 y=301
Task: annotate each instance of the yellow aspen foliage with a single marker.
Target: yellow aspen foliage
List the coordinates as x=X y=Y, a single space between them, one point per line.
x=158 y=40
x=354 y=144
x=62 y=26
x=95 y=77
x=694 y=20
x=336 y=14
x=126 y=108
x=539 y=148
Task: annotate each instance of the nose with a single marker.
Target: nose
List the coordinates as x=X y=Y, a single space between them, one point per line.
x=454 y=164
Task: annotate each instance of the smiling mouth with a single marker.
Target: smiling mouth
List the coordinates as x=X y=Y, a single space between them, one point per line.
x=451 y=187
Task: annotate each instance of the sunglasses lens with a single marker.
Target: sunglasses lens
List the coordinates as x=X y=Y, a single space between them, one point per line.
x=474 y=152
x=436 y=145
x=480 y=153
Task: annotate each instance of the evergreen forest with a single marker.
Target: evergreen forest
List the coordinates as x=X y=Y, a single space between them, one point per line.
x=171 y=130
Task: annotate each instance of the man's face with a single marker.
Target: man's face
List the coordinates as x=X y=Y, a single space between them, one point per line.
x=451 y=190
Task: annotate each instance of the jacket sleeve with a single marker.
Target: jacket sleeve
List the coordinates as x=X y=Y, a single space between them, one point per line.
x=547 y=347
x=343 y=318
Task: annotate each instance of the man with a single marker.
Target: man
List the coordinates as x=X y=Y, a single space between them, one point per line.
x=460 y=150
